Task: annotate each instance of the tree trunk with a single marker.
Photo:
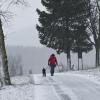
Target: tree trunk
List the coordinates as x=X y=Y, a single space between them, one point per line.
x=82 y=63
x=80 y=60
x=97 y=47
x=1 y=72
x=78 y=63
x=69 y=60
x=98 y=51
x=97 y=57
x=98 y=42
x=99 y=37
x=4 y=57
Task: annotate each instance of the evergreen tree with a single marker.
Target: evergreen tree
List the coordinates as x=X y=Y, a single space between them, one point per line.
x=53 y=32
x=81 y=42
x=55 y=29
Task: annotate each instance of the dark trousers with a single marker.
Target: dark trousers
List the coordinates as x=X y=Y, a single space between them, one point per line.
x=52 y=69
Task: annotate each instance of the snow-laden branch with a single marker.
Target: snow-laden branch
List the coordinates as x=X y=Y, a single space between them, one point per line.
x=5 y=5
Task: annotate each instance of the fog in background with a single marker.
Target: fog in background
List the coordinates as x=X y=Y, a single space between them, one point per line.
x=34 y=58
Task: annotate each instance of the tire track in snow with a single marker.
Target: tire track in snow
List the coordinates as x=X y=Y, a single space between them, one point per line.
x=60 y=93
x=58 y=88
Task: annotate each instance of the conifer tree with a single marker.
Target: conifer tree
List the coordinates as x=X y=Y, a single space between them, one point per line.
x=81 y=43
x=55 y=28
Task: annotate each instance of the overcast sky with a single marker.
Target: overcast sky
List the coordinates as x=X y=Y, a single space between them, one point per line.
x=21 y=29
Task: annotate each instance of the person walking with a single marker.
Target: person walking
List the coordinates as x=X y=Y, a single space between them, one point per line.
x=52 y=62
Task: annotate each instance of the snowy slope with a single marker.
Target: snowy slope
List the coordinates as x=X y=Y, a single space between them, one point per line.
x=73 y=85
x=92 y=74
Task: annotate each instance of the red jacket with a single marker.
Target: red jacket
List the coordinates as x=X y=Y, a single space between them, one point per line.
x=52 y=60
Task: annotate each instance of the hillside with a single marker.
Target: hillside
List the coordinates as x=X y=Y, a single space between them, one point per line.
x=34 y=58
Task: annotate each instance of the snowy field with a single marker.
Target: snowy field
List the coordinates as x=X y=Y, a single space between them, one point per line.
x=73 y=85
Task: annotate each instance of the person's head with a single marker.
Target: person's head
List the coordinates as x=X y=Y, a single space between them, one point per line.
x=53 y=55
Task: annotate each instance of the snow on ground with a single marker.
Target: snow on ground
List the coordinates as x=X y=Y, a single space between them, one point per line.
x=24 y=92
x=73 y=85
x=92 y=74
x=20 y=80
x=20 y=90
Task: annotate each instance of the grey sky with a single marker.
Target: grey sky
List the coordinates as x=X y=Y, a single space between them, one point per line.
x=21 y=29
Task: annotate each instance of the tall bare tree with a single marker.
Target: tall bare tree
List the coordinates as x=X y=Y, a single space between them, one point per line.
x=4 y=5
x=98 y=6
x=4 y=57
x=15 y=65
x=94 y=21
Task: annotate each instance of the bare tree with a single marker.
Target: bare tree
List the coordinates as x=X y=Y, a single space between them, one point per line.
x=4 y=5
x=98 y=6
x=4 y=57
x=94 y=20
x=15 y=65
x=30 y=71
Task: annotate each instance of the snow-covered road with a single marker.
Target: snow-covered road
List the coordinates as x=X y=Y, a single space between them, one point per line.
x=66 y=87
